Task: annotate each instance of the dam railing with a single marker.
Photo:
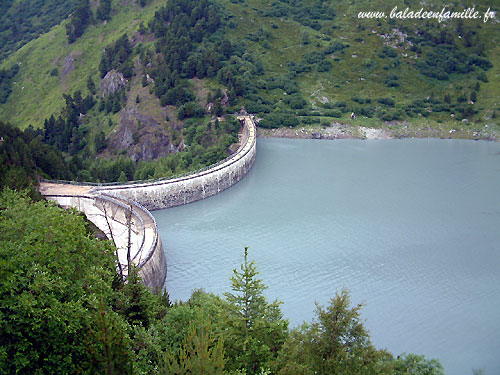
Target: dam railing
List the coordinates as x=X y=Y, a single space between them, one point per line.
x=99 y=200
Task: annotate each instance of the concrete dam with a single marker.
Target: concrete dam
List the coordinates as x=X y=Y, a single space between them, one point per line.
x=121 y=211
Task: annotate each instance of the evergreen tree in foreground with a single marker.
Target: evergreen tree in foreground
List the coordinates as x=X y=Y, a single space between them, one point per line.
x=201 y=353
x=257 y=329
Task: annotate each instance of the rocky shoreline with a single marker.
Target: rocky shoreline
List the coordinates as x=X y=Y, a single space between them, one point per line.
x=393 y=130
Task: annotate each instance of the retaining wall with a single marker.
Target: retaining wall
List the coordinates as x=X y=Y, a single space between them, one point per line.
x=174 y=192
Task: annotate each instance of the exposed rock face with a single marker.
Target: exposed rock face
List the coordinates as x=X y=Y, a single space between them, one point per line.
x=113 y=81
x=68 y=66
x=142 y=136
x=69 y=63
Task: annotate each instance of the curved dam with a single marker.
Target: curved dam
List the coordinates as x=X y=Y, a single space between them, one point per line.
x=166 y=193
x=121 y=211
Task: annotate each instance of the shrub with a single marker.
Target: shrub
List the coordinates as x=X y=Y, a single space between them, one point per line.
x=386 y=101
x=278 y=119
x=324 y=66
x=190 y=109
x=295 y=101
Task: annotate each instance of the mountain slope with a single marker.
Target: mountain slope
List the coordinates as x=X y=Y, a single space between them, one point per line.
x=309 y=63
x=21 y=21
x=50 y=66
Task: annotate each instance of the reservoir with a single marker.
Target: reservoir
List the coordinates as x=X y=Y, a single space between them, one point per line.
x=410 y=227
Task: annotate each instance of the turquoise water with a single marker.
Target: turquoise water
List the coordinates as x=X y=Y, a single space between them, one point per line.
x=410 y=227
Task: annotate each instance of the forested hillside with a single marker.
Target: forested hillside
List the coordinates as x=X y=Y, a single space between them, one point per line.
x=322 y=63
x=142 y=117
x=22 y=21
x=146 y=86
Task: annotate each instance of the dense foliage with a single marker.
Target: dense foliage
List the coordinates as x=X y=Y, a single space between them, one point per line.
x=183 y=48
x=64 y=310
x=207 y=143
x=65 y=132
x=6 y=80
x=79 y=20
x=117 y=56
x=24 y=157
x=307 y=15
x=53 y=276
x=104 y=10
x=22 y=21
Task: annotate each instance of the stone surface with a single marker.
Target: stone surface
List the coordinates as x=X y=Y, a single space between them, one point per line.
x=113 y=81
x=110 y=207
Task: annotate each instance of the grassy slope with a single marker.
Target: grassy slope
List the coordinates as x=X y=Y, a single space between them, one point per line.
x=30 y=21
x=349 y=78
x=36 y=94
x=42 y=93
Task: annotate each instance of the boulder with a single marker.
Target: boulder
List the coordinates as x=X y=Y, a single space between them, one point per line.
x=112 y=82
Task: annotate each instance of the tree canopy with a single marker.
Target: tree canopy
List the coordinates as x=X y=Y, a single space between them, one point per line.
x=53 y=274
x=64 y=310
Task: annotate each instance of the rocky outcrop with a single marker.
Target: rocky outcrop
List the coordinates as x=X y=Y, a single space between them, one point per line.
x=69 y=63
x=142 y=136
x=112 y=82
x=68 y=66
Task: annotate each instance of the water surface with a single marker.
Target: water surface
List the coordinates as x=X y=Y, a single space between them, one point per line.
x=410 y=227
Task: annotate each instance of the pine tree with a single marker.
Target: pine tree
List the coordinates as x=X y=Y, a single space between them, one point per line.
x=336 y=343
x=76 y=141
x=136 y=304
x=104 y=10
x=108 y=346
x=256 y=329
x=248 y=298
x=100 y=141
x=123 y=177
x=199 y=354
x=91 y=85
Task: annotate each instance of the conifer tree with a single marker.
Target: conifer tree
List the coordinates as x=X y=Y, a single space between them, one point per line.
x=108 y=345
x=200 y=352
x=123 y=177
x=256 y=329
x=91 y=85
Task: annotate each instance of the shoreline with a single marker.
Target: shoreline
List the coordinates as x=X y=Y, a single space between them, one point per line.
x=393 y=130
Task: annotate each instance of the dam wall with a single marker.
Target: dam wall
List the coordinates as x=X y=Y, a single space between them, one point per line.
x=121 y=211
x=155 y=195
x=130 y=226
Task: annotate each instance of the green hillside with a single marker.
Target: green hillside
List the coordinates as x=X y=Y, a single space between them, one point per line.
x=22 y=21
x=292 y=63
x=429 y=70
x=286 y=37
x=38 y=88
